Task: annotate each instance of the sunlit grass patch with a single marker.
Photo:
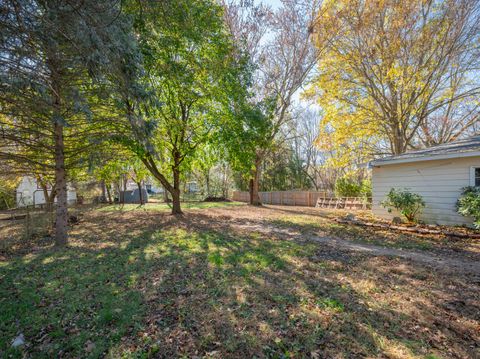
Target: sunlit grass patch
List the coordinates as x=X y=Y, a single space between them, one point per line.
x=331 y=304
x=62 y=299
x=179 y=287
x=165 y=207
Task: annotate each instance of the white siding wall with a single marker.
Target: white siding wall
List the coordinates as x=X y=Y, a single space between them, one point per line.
x=27 y=190
x=439 y=182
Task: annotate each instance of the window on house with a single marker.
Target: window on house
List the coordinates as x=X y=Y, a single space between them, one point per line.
x=476 y=177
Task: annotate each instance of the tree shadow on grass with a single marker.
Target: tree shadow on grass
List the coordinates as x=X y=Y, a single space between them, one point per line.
x=72 y=302
x=194 y=286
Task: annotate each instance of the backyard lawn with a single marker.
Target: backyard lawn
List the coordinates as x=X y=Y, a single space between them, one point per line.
x=234 y=281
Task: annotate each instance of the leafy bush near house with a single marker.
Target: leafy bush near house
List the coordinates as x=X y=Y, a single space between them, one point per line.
x=407 y=203
x=346 y=186
x=366 y=189
x=469 y=204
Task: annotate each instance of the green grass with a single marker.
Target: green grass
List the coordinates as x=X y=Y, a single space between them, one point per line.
x=164 y=207
x=173 y=290
x=69 y=297
x=62 y=300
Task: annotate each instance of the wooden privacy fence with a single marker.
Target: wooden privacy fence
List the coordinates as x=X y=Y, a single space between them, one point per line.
x=345 y=203
x=305 y=198
x=286 y=198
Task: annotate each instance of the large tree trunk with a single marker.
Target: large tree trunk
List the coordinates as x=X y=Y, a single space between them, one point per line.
x=176 y=207
x=104 y=195
x=175 y=189
x=139 y=185
x=123 y=186
x=255 y=183
x=61 y=214
x=109 y=194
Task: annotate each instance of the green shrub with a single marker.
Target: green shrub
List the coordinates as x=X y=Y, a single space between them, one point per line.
x=366 y=189
x=469 y=204
x=347 y=187
x=407 y=203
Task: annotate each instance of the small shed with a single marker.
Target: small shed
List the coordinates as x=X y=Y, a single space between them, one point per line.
x=437 y=173
x=133 y=196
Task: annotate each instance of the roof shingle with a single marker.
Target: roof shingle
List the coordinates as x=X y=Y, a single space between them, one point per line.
x=460 y=147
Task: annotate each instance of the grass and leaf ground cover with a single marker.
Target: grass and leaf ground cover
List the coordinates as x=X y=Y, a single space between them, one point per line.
x=140 y=284
x=166 y=207
x=315 y=221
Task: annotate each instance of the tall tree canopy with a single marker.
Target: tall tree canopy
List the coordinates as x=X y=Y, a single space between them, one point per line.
x=51 y=55
x=396 y=74
x=189 y=74
x=279 y=47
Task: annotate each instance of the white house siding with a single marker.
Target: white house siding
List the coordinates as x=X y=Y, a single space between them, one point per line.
x=28 y=193
x=439 y=182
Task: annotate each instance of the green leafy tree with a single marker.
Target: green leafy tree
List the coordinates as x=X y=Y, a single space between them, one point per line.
x=53 y=55
x=188 y=75
x=138 y=173
x=281 y=61
x=248 y=130
x=347 y=186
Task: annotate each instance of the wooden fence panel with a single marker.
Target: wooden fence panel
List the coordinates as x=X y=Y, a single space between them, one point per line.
x=306 y=199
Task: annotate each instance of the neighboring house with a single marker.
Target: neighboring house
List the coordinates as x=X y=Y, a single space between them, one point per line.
x=153 y=188
x=437 y=173
x=30 y=193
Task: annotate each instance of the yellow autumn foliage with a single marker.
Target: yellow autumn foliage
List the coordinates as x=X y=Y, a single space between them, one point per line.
x=381 y=71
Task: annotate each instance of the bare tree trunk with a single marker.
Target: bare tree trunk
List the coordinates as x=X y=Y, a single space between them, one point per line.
x=104 y=195
x=176 y=207
x=175 y=189
x=255 y=183
x=123 y=181
x=225 y=182
x=117 y=187
x=61 y=215
x=109 y=194
x=139 y=185
x=51 y=198
x=46 y=196
x=207 y=182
